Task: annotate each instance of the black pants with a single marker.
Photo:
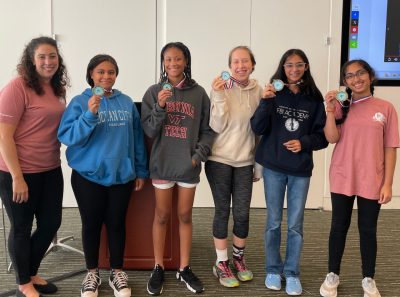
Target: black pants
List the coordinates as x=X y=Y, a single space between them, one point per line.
x=368 y=212
x=230 y=183
x=45 y=190
x=100 y=204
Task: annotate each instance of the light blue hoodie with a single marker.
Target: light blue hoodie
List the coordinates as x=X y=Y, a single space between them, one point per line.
x=108 y=147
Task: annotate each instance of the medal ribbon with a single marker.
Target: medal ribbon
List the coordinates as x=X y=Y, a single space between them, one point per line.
x=361 y=99
x=229 y=83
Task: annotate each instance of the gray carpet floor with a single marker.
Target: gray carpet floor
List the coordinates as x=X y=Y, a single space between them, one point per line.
x=64 y=266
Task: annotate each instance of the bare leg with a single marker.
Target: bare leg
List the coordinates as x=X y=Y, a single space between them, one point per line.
x=239 y=242
x=161 y=216
x=220 y=244
x=185 y=205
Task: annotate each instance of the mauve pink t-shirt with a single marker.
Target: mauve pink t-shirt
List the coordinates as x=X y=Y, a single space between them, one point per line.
x=37 y=119
x=357 y=166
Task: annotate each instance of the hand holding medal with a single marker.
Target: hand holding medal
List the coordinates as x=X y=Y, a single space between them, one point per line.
x=343 y=99
x=94 y=101
x=164 y=94
x=229 y=80
x=331 y=97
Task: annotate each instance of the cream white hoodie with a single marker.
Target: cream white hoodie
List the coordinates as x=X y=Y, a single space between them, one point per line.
x=231 y=110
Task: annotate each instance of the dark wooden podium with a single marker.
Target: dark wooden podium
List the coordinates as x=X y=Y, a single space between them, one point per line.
x=139 y=241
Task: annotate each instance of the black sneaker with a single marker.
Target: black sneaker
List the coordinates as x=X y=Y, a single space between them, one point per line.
x=90 y=284
x=155 y=283
x=192 y=282
x=118 y=281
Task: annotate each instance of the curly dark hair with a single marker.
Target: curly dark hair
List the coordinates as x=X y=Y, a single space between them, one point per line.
x=27 y=70
x=187 y=71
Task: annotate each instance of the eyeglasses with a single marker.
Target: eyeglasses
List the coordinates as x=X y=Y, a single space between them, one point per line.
x=351 y=76
x=297 y=65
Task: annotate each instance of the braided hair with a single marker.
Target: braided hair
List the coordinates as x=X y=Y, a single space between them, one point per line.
x=371 y=73
x=186 y=53
x=27 y=70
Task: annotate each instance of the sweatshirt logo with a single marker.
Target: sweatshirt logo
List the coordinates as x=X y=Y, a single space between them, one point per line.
x=177 y=112
x=291 y=124
x=293 y=117
x=175 y=119
x=379 y=117
x=115 y=117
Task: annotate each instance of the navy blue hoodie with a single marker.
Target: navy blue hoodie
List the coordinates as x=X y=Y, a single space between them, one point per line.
x=286 y=117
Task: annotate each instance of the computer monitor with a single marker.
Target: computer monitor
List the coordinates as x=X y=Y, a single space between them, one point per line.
x=371 y=31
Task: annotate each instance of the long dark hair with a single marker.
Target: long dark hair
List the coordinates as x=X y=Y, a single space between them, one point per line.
x=186 y=53
x=371 y=73
x=308 y=85
x=27 y=70
x=96 y=60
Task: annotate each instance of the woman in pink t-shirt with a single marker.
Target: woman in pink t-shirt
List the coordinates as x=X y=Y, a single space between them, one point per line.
x=365 y=131
x=31 y=182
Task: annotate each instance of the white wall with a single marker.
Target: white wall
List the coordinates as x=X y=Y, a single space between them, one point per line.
x=134 y=31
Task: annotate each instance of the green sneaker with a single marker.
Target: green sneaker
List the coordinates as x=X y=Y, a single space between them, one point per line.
x=242 y=271
x=225 y=275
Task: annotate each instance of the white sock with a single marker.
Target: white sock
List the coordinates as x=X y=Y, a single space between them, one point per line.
x=222 y=255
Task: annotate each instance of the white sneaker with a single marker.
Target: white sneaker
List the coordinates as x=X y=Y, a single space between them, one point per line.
x=329 y=286
x=369 y=287
x=90 y=284
x=118 y=281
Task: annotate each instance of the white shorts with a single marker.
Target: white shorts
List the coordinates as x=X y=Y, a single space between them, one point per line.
x=167 y=184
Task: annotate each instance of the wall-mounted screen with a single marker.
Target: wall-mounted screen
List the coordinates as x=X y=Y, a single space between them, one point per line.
x=371 y=31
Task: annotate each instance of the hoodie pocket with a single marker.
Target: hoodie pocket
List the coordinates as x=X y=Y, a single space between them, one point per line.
x=174 y=165
x=114 y=170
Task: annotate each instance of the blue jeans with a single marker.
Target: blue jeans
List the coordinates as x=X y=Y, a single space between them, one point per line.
x=275 y=184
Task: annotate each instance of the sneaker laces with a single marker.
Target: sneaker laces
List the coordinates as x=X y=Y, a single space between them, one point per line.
x=240 y=264
x=226 y=271
x=91 y=281
x=120 y=280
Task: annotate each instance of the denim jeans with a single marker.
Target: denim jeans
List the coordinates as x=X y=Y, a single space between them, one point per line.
x=275 y=185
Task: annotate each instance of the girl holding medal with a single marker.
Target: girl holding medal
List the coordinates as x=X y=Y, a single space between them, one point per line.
x=230 y=167
x=175 y=115
x=106 y=151
x=31 y=180
x=291 y=123
x=362 y=167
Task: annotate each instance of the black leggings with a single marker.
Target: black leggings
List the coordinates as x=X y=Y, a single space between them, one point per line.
x=368 y=212
x=45 y=190
x=226 y=182
x=100 y=204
